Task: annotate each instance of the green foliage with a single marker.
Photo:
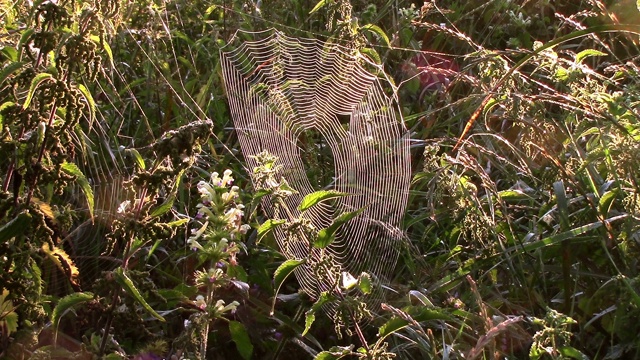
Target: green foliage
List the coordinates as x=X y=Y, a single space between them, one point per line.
x=522 y=229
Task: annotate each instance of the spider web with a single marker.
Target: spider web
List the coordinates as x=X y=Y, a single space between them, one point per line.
x=327 y=118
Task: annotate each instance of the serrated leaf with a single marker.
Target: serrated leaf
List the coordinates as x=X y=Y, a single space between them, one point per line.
x=15 y=227
x=105 y=46
x=394 y=324
x=8 y=317
x=327 y=235
x=37 y=80
x=2 y=108
x=319 y=6
x=72 y=169
x=588 y=53
x=63 y=261
x=364 y=283
x=310 y=315
x=268 y=227
x=10 y=69
x=240 y=336
x=130 y=288
x=318 y=196
x=64 y=305
x=375 y=29
x=371 y=54
x=282 y=273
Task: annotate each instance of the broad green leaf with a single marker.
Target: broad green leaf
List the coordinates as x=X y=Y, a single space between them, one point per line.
x=3 y=107
x=268 y=227
x=240 y=336
x=65 y=304
x=606 y=201
x=282 y=273
x=8 y=317
x=513 y=195
x=371 y=54
x=24 y=38
x=394 y=324
x=72 y=169
x=316 y=197
x=10 y=69
x=37 y=80
x=572 y=353
x=378 y=31
x=310 y=315
x=105 y=46
x=319 y=6
x=130 y=288
x=364 y=283
x=15 y=227
x=587 y=53
x=327 y=235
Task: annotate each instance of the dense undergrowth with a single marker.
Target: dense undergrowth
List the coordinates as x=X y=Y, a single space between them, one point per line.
x=123 y=234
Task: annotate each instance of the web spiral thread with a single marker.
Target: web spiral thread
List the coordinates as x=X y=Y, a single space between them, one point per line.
x=299 y=98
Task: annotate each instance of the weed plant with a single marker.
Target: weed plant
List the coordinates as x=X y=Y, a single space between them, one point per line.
x=523 y=226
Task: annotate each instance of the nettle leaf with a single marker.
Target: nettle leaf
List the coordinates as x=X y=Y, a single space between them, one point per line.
x=375 y=29
x=8 y=318
x=2 y=108
x=92 y=104
x=130 y=287
x=10 y=69
x=72 y=169
x=316 y=197
x=168 y=203
x=364 y=283
x=327 y=235
x=310 y=315
x=240 y=336
x=282 y=273
x=65 y=304
x=335 y=353
x=588 y=53
x=15 y=227
x=63 y=261
x=37 y=80
x=268 y=227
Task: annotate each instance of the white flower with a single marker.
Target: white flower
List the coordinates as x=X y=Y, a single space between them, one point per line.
x=200 y=302
x=348 y=281
x=123 y=206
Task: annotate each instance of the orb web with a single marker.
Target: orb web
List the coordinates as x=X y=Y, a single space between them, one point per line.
x=321 y=108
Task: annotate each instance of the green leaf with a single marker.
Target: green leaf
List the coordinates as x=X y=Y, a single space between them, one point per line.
x=563 y=204
x=606 y=201
x=168 y=203
x=371 y=54
x=129 y=287
x=105 y=46
x=268 y=227
x=316 y=197
x=282 y=273
x=394 y=324
x=378 y=31
x=587 y=53
x=15 y=227
x=319 y=6
x=240 y=336
x=364 y=283
x=137 y=157
x=92 y=104
x=8 y=317
x=72 y=169
x=572 y=353
x=37 y=80
x=310 y=315
x=10 y=69
x=2 y=108
x=65 y=304
x=327 y=235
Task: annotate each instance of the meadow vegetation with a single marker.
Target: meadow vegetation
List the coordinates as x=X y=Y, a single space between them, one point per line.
x=129 y=227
